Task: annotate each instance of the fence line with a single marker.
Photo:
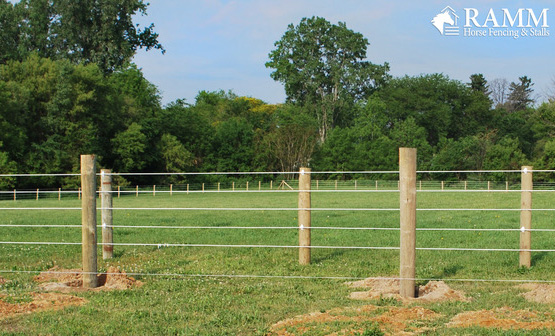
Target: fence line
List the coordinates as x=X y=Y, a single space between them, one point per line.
x=89 y=226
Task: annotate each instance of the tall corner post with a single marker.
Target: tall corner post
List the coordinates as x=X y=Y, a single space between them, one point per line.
x=88 y=221
x=527 y=185
x=304 y=216
x=407 y=188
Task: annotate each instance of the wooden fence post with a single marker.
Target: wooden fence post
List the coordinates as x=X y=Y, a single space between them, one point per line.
x=171 y=189
x=37 y=194
x=304 y=216
x=107 y=222
x=136 y=191
x=154 y=190
x=525 y=256
x=119 y=191
x=407 y=187
x=59 y=194
x=88 y=220
x=14 y=195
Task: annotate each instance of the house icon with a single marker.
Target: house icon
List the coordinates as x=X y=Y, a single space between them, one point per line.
x=451 y=12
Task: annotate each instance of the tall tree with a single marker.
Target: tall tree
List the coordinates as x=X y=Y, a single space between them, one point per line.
x=323 y=68
x=478 y=83
x=499 y=91
x=83 y=31
x=520 y=95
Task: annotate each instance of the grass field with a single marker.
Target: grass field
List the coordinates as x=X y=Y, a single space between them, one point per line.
x=170 y=303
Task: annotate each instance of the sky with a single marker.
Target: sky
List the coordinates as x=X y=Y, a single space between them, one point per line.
x=217 y=45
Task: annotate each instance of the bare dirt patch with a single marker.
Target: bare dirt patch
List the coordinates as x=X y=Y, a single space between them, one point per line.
x=350 y=321
x=70 y=280
x=39 y=302
x=542 y=293
x=433 y=291
x=503 y=318
x=3 y=281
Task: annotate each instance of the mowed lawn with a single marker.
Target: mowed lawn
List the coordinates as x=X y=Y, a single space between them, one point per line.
x=200 y=290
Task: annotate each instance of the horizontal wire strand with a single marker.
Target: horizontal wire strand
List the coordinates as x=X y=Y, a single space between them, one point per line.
x=160 y=245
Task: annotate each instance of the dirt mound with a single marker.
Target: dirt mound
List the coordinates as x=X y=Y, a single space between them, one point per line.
x=503 y=318
x=389 y=288
x=39 y=302
x=3 y=281
x=69 y=280
x=351 y=321
x=542 y=293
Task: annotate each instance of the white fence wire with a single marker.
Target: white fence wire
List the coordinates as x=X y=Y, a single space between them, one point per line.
x=326 y=186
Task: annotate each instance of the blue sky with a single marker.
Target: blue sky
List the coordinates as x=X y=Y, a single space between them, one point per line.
x=223 y=45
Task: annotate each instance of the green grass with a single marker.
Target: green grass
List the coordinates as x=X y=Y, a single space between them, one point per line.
x=174 y=304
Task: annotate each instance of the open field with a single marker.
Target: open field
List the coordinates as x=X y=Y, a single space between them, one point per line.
x=171 y=303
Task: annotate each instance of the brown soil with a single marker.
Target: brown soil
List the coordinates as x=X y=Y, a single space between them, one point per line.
x=40 y=302
x=503 y=318
x=433 y=291
x=541 y=293
x=69 y=280
x=392 y=320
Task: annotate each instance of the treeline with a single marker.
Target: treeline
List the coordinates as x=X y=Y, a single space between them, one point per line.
x=63 y=94
x=53 y=111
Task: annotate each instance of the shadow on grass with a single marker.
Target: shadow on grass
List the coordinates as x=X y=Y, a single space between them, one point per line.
x=538 y=256
x=448 y=271
x=320 y=257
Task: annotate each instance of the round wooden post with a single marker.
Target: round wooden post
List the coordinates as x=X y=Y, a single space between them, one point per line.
x=14 y=195
x=136 y=191
x=304 y=216
x=407 y=186
x=525 y=256
x=59 y=194
x=106 y=204
x=37 y=194
x=171 y=189
x=154 y=190
x=119 y=191
x=247 y=185
x=88 y=220
x=218 y=186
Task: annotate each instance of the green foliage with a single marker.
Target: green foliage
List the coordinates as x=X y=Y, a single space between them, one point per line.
x=322 y=67
x=6 y=167
x=130 y=146
x=84 y=31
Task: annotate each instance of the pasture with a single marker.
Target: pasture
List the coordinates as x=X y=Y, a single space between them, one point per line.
x=216 y=290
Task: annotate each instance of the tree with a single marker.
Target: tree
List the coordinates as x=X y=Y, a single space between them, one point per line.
x=322 y=67
x=129 y=147
x=9 y=31
x=83 y=31
x=478 y=83
x=520 y=94
x=499 y=90
x=292 y=140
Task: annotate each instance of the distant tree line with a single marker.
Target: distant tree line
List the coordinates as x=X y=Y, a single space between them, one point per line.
x=60 y=100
